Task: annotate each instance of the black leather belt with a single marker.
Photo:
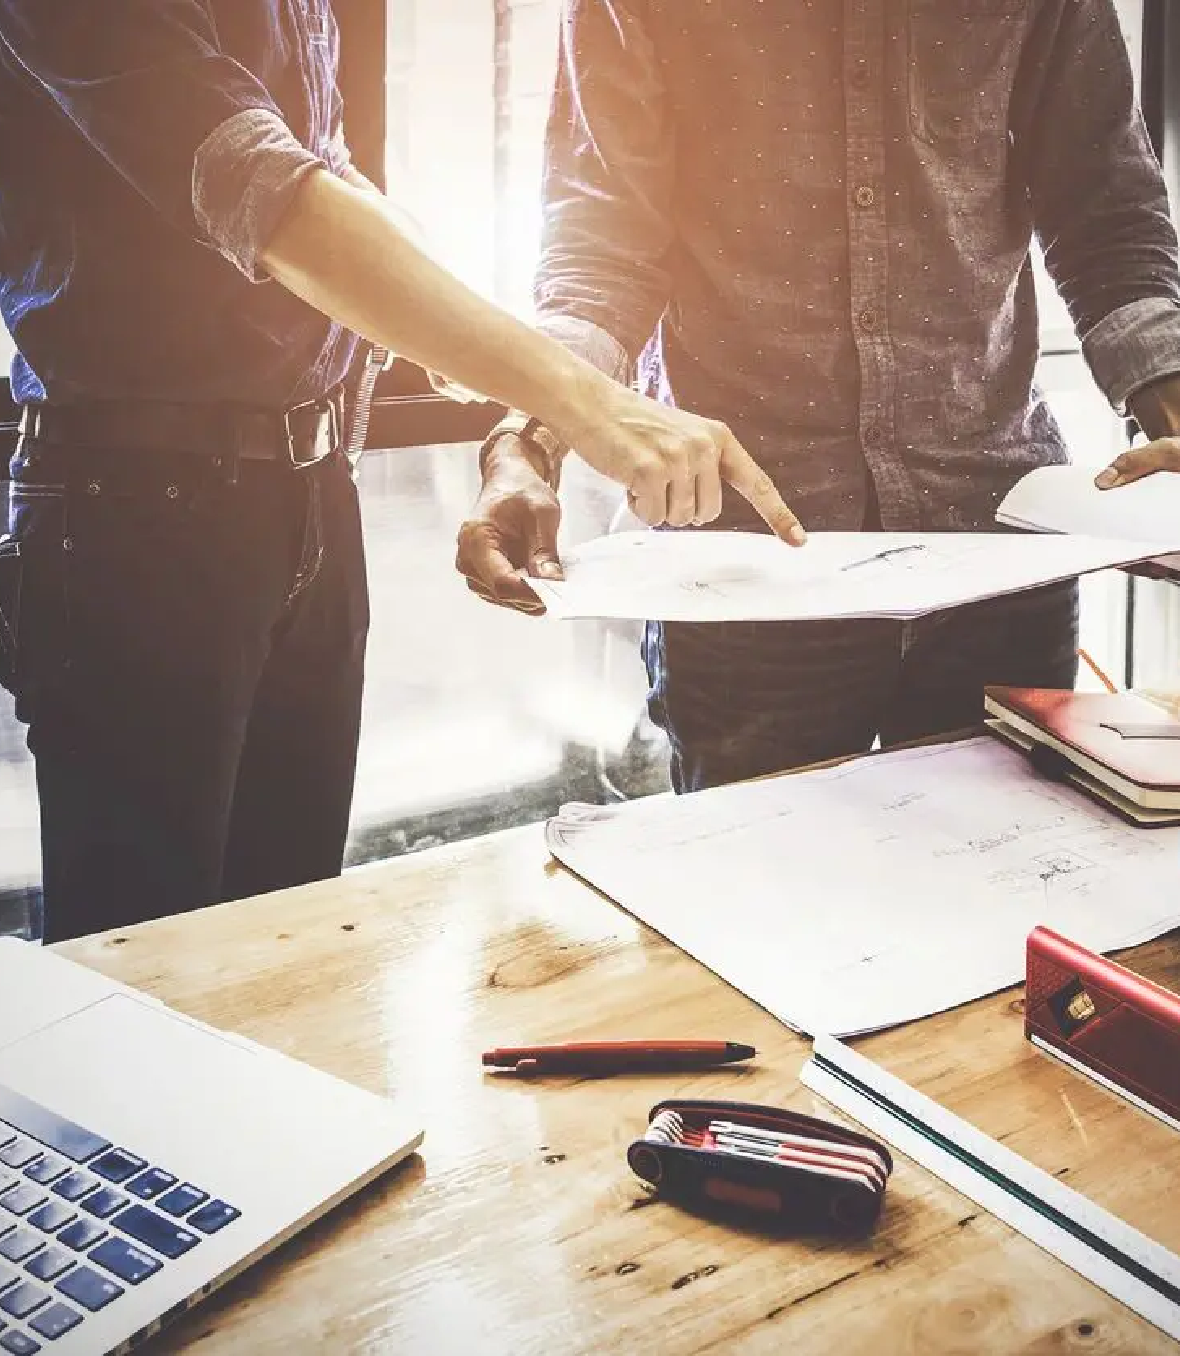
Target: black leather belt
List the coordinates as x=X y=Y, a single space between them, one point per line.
x=301 y=436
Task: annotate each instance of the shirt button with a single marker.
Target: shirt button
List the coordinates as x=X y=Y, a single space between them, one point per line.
x=860 y=75
x=872 y=435
x=864 y=196
x=867 y=320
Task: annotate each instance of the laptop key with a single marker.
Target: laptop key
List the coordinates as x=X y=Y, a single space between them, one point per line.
x=81 y=1234
x=89 y=1289
x=50 y=1263
x=17 y=1343
x=7 y=1179
x=214 y=1216
x=103 y=1203
x=150 y=1184
x=74 y=1186
x=124 y=1260
x=180 y=1200
x=23 y=1299
x=155 y=1232
x=48 y=1168
x=21 y=1199
x=54 y=1131
x=52 y=1216
x=20 y=1243
x=20 y=1153
x=55 y=1321
x=116 y=1165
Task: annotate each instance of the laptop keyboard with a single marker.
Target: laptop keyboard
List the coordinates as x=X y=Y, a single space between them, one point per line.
x=82 y=1220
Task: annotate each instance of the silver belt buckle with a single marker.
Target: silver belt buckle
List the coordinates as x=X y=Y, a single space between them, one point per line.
x=335 y=430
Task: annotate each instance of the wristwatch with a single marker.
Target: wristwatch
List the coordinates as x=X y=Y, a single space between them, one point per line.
x=538 y=437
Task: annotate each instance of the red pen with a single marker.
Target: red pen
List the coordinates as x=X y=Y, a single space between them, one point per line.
x=607 y=1057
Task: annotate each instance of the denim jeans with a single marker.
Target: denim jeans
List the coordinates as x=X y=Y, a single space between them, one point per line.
x=743 y=699
x=188 y=652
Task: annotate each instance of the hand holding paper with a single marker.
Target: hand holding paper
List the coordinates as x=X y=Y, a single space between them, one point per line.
x=1144 y=507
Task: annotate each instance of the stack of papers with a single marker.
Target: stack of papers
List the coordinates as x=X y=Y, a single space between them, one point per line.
x=704 y=576
x=880 y=891
x=1065 y=499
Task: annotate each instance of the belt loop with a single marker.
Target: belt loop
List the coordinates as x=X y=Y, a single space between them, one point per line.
x=230 y=460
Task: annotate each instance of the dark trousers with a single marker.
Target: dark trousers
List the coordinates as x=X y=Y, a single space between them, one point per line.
x=742 y=699
x=189 y=656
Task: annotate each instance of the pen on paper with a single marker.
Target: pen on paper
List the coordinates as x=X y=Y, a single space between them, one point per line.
x=883 y=555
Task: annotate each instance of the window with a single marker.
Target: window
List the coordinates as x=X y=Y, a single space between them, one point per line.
x=476 y=718
x=468 y=146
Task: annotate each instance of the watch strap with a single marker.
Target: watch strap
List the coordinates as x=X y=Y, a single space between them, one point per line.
x=539 y=438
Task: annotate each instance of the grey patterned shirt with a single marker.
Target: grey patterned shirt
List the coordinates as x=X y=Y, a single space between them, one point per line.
x=812 y=219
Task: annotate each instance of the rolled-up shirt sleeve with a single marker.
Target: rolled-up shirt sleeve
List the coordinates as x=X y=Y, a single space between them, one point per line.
x=1099 y=198
x=190 y=129
x=602 y=280
x=244 y=174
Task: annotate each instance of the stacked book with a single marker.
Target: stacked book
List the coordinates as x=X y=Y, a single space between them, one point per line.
x=1119 y=748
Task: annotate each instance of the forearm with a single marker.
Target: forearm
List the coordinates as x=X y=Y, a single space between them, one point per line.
x=592 y=345
x=344 y=251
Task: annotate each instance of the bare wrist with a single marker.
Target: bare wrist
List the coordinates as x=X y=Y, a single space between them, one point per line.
x=1157 y=408
x=505 y=445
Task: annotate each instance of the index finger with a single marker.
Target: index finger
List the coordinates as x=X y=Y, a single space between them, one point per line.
x=741 y=471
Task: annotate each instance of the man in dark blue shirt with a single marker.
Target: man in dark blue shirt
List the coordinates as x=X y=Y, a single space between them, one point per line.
x=813 y=220
x=186 y=259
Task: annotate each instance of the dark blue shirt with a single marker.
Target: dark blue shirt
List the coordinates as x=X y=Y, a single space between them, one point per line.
x=147 y=150
x=813 y=220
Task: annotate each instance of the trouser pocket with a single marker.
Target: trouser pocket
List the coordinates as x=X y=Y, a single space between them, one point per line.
x=10 y=594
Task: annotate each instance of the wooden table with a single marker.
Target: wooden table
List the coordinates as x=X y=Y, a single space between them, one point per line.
x=520 y=1227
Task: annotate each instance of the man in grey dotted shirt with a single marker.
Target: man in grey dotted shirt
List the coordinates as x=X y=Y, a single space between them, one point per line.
x=813 y=220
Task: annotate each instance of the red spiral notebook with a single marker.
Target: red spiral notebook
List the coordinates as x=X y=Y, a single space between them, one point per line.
x=1104 y=1021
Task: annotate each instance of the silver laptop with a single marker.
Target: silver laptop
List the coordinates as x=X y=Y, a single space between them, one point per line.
x=145 y=1158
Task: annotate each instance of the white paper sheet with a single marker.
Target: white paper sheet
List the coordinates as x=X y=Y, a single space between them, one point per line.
x=736 y=576
x=880 y=891
x=1065 y=499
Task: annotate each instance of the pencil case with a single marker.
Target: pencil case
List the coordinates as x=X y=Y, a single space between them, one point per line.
x=783 y=1168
